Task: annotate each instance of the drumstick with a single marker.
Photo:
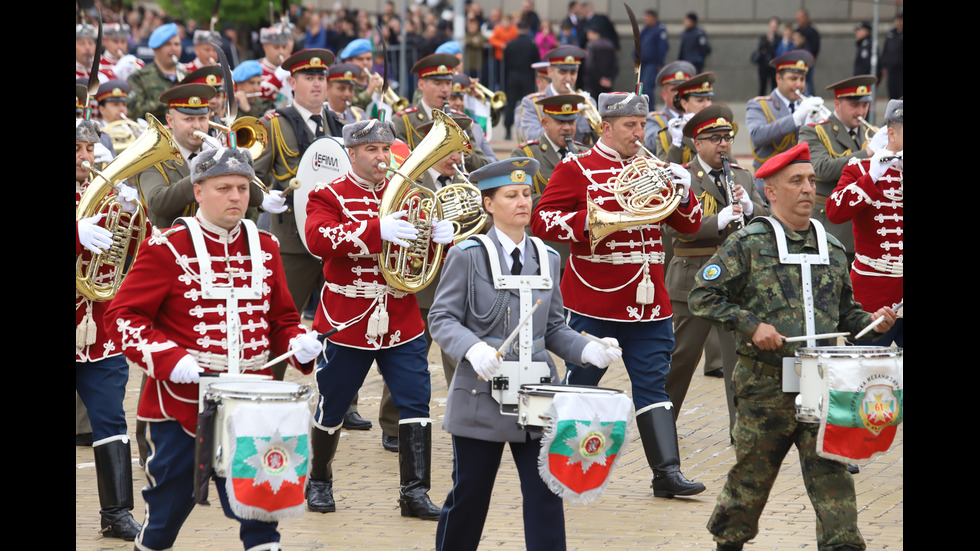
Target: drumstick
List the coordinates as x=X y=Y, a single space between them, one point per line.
x=293 y=184
x=513 y=334
x=816 y=337
x=875 y=323
x=600 y=341
x=290 y=353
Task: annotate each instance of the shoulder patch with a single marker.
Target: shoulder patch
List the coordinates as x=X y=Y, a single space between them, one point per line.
x=467 y=243
x=711 y=272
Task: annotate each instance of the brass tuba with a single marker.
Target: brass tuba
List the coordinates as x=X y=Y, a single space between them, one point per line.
x=154 y=146
x=412 y=268
x=644 y=189
x=123 y=132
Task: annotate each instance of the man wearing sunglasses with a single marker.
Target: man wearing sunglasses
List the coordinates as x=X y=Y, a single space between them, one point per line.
x=727 y=206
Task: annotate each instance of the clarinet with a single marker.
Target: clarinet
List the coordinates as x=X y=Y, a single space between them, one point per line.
x=727 y=168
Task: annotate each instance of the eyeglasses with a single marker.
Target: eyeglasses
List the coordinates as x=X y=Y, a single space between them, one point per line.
x=716 y=139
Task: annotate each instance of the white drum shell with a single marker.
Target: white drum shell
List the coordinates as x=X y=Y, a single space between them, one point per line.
x=535 y=400
x=323 y=162
x=813 y=362
x=232 y=394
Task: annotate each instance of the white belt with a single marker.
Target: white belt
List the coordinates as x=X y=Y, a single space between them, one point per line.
x=364 y=290
x=881 y=265
x=219 y=362
x=633 y=257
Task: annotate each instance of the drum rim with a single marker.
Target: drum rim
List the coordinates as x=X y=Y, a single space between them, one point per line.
x=533 y=389
x=849 y=352
x=295 y=392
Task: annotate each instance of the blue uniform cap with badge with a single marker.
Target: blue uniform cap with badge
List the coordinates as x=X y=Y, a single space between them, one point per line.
x=356 y=47
x=516 y=170
x=162 y=35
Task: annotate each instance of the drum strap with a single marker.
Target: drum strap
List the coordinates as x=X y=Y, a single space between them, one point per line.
x=229 y=293
x=805 y=261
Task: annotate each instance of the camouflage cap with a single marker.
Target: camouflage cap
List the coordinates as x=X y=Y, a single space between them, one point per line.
x=368 y=131
x=220 y=161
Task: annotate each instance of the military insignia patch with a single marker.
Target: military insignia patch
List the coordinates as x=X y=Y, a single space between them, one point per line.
x=711 y=272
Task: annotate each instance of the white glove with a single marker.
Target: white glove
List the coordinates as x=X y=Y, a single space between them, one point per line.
x=810 y=106
x=126 y=66
x=726 y=216
x=102 y=153
x=676 y=130
x=92 y=236
x=186 y=371
x=129 y=198
x=879 y=168
x=484 y=360
x=681 y=178
x=308 y=347
x=880 y=139
x=601 y=355
x=743 y=199
x=396 y=230
x=443 y=232
x=273 y=202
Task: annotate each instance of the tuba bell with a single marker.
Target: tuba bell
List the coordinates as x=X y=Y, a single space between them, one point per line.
x=646 y=192
x=154 y=146
x=411 y=269
x=124 y=132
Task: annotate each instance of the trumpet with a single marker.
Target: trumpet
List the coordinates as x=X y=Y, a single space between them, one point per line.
x=390 y=97
x=595 y=121
x=497 y=100
x=822 y=111
x=869 y=129
x=214 y=143
x=646 y=192
x=727 y=168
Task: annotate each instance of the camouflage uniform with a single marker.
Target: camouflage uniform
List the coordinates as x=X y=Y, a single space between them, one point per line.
x=742 y=285
x=148 y=83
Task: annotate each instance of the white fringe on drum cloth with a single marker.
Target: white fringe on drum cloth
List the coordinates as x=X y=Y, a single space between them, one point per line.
x=584 y=408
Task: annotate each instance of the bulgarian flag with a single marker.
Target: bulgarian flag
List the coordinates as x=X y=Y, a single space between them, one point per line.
x=865 y=406
x=269 y=460
x=586 y=434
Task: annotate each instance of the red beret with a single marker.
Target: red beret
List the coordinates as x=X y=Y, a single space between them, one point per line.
x=798 y=154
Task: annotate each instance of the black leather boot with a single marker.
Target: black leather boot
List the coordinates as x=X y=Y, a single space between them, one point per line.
x=114 y=471
x=319 y=491
x=415 y=468
x=659 y=435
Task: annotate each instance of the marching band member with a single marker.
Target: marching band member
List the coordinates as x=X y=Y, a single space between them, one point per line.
x=341 y=83
x=458 y=96
x=619 y=290
x=204 y=54
x=167 y=188
x=366 y=84
x=835 y=141
x=277 y=45
x=563 y=67
x=380 y=324
x=669 y=77
x=690 y=97
x=115 y=62
x=172 y=330
x=870 y=193
x=724 y=210
x=248 y=90
x=211 y=75
x=155 y=78
x=775 y=120
x=744 y=287
x=85 y=36
x=101 y=371
x=471 y=335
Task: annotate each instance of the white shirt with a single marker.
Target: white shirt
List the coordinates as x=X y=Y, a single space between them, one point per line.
x=508 y=245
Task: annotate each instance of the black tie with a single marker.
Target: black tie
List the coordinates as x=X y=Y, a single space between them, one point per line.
x=318 y=119
x=792 y=107
x=853 y=134
x=443 y=181
x=515 y=268
x=562 y=152
x=719 y=181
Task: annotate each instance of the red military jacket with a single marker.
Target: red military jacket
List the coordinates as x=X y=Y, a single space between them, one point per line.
x=343 y=228
x=605 y=284
x=877 y=212
x=160 y=314
x=270 y=83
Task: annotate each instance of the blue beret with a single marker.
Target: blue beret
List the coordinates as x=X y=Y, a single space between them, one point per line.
x=246 y=70
x=162 y=34
x=356 y=47
x=516 y=170
x=450 y=47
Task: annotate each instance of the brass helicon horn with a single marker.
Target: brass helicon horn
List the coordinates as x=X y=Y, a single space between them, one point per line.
x=155 y=145
x=411 y=269
x=646 y=192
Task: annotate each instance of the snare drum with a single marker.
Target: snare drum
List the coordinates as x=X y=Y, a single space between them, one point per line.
x=813 y=366
x=534 y=401
x=278 y=402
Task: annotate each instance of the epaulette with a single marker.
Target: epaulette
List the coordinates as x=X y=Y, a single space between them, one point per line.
x=688 y=164
x=760 y=98
x=407 y=111
x=832 y=240
x=816 y=124
x=534 y=95
x=857 y=161
x=467 y=243
x=551 y=250
x=271 y=114
x=527 y=143
x=756 y=226
x=174 y=229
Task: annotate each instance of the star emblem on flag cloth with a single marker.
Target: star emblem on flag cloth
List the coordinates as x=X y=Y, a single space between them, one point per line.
x=275 y=461
x=591 y=443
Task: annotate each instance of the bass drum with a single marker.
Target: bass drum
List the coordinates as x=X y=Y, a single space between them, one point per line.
x=324 y=161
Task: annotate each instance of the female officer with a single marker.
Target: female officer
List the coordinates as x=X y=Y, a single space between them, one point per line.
x=477 y=305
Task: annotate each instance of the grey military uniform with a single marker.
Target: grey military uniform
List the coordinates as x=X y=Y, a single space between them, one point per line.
x=831 y=148
x=691 y=253
x=656 y=122
x=531 y=114
x=471 y=410
x=772 y=130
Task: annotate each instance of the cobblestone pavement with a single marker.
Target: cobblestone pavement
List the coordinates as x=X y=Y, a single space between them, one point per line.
x=626 y=517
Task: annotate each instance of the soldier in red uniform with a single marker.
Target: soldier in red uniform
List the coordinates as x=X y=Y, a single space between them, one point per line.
x=277 y=43
x=618 y=291
x=379 y=323
x=176 y=318
x=101 y=371
x=869 y=193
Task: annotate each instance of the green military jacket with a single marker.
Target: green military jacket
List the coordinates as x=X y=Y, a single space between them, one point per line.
x=144 y=97
x=745 y=284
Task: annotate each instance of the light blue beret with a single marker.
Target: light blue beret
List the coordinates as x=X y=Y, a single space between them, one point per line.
x=247 y=70
x=451 y=47
x=162 y=34
x=356 y=47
